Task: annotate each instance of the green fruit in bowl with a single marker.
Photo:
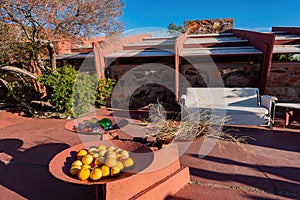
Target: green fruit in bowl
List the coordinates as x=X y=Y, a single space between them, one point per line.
x=106 y=124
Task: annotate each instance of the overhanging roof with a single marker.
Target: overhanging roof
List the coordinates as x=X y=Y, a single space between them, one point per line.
x=220 y=51
x=142 y=53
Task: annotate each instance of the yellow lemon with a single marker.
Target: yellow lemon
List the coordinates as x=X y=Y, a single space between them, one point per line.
x=81 y=153
x=122 y=158
x=118 y=150
x=114 y=171
x=86 y=166
x=110 y=162
x=120 y=165
x=99 y=161
x=95 y=155
x=96 y=174
x=105 y=171
x=74 y=170
x=110 y=154
x=102 y=152
x=101 y=147
x=111 y=148
x=87 y=159
x=118 y=156
x=128 y=162
x=125 y=153
x=93 y=149
x=83 y=174
x=77 y=163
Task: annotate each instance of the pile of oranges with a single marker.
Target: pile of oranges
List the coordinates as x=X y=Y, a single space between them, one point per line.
x=100 y=162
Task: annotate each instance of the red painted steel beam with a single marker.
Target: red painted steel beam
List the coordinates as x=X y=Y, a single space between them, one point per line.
x=108 y=46
x=293 y=30
x=178 y=46
x=287 y=41
x=264 y=42
x=215 y=44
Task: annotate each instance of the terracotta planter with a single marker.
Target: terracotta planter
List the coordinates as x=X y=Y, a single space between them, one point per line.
x=158 y=174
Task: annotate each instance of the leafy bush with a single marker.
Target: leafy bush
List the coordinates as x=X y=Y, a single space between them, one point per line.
x=104 y=90
x=75 y=93
x=84 y=94
x=61 y=85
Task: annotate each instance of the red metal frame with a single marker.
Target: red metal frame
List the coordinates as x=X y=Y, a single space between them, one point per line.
x=178 y=46
x=106 y=47
x=264 y=42
x=294 y=30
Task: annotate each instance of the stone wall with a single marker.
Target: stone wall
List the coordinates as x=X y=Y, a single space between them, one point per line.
x=208 y=25
x=232 y=75
x=138 y=90
x=284 y=81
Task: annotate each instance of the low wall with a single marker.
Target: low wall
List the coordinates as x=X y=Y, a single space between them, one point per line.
x=232 y=75
x=284 y=81
x=143 y=87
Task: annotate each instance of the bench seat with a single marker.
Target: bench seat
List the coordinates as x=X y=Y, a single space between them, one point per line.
x=239 y=106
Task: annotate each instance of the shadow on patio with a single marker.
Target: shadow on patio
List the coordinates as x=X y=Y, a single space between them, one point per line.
x=27 y=173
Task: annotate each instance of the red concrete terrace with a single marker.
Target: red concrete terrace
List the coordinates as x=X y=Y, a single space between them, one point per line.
x=267 y=167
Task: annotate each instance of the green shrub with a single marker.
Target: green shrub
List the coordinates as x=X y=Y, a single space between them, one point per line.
x=104 y=90
x=61 y=85
x=76 y=93
x=84 y=94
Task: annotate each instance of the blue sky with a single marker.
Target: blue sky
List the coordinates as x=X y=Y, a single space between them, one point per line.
x=252 y=15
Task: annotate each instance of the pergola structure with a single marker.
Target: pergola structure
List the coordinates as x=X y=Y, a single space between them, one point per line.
x=228 y=50
x=235 y=43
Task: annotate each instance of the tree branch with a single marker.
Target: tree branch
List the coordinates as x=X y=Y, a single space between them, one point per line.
x=19 y=70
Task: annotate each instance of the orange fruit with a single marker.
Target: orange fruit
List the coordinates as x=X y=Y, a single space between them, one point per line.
x=118 y=150
x=83 y=174
x=102 y=152
x=111 y=148
x=125 y=153
x=120 y=165
x=99 y=161
x=122 y=158
x=114 y=171
x=101 y=147
x=95 y=155
x=105 y=171
x=96 y=174
x=93 y=149
x=87 y=159
x=110 y=154
x=110 y=162
x=81 y=153
x=77 y=163
x=128 y=162
x=74 y=170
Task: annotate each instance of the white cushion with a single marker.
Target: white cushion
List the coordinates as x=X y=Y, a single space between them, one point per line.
x=221 y=96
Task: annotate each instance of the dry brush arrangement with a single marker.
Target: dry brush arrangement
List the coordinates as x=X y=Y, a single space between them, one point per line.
x=190 y=125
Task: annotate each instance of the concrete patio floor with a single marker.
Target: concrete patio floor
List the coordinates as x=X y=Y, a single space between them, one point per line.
x=265 y=168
